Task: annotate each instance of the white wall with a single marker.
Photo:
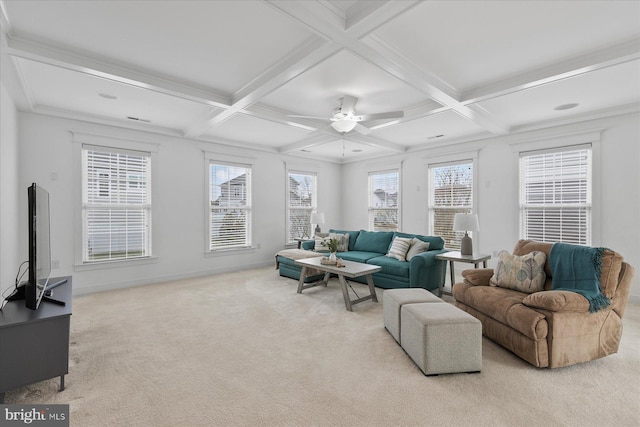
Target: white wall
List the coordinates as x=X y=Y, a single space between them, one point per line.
x=47 y=151
x=9 y=255
x=616 y=182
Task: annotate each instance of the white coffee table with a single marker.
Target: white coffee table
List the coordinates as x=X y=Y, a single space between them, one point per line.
x=351 y=269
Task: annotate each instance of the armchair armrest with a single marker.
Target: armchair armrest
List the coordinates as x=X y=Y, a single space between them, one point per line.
x=557 y=301
x=477 y=276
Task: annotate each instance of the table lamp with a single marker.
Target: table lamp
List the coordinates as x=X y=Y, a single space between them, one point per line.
x=317 y=218
x=466 y=222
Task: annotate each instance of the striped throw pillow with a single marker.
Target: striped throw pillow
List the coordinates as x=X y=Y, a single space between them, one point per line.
x=399 y=248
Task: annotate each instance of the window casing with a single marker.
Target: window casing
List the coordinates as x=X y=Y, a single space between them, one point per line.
x=556 y=195
x=229 y=206
x=116 y=204
x=450 y=192
x=384 y=212
x=301 y=202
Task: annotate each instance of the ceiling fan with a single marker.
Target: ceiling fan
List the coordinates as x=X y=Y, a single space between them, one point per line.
x=344 y=118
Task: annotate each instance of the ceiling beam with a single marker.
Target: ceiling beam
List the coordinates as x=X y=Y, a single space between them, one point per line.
x=306 y=56
x=614 y=55
x=318 y=19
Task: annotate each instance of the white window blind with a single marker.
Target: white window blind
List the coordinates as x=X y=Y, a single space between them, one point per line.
x=383 y=201
x=301 y=201
x=450 y=192
x=116 y=204
x=555 y=195
x=230 y=206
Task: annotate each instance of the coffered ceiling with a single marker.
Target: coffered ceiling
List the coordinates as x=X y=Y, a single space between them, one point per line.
x=234 y=72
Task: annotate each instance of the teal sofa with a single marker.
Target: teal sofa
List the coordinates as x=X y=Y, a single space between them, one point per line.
x=371 y=247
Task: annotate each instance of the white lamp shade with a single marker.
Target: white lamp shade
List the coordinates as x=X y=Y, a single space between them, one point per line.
x=344 y=126
x=465 y=222
x=317 y=218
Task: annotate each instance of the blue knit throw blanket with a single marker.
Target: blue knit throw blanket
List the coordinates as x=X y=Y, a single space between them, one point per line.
x=577 y=269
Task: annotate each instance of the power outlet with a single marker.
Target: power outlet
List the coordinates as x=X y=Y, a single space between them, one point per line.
x=55 y=264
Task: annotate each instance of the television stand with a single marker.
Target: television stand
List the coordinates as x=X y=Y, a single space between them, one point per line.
x=35 y=343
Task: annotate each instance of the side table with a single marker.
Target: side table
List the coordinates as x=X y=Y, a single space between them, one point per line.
x=454 y=256
x=301 y=240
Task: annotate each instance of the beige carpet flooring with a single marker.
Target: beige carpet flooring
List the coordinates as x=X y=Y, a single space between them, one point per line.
x=244 y=349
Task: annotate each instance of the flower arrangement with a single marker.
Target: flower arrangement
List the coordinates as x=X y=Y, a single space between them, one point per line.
x=332 y=244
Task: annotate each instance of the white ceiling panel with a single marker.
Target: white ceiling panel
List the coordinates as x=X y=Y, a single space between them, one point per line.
x=218 y=44
x=316 y=92
x=599 y=90
x=252 y=130
x=343 y=150
x=473 y=43
x=428 y=129
x=236 y=71
x=61 y=89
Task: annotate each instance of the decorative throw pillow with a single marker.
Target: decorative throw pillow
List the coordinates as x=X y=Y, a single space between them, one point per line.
x=417 y=247
x=521 y=273
x=321 y=242
x=343 y=241
x=399 y=248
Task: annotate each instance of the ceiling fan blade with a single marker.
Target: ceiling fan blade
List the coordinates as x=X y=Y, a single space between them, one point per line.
x=378 y=116
x=306 y=117
x=349 y=104
x=362 y=129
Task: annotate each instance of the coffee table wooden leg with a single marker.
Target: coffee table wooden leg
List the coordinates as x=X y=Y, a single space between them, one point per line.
x=372 y=288
x=303 y=273
x=345 y=292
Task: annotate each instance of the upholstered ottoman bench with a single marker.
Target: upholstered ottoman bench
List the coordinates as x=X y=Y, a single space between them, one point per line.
x=394 y=299
x=441 y=338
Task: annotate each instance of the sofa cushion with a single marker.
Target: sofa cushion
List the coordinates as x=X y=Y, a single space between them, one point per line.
x=557 y=301
x=353 y=235
x=504 y=305
x=399 y=248
x=521 y=273
x=391 y=266
x=435 y=242
x=373 y=241
x=417 y=247
x=357 y=256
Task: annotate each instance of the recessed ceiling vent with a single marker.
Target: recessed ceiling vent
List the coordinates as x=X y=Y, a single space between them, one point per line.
x=566 y=106
x=137 y=119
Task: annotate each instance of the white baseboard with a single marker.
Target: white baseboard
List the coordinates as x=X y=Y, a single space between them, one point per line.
x=85 y=290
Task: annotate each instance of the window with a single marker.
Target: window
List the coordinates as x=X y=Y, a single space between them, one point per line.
x=301 y=196
x=555 y=195
x=450 y=192
x=383 y=201
x=116 y=215
x=229 y=206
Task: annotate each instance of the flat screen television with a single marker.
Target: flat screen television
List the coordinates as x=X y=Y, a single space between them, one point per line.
x=39 y=283
x=39 y=246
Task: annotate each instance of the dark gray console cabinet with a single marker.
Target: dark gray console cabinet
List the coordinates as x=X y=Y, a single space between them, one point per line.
x=34 y=344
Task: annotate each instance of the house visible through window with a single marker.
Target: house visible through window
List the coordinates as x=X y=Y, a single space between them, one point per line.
x=383 y=201
x=229 y=206
x=301 y=196
x=555 y=195
x=450 y=192
x=116 y=215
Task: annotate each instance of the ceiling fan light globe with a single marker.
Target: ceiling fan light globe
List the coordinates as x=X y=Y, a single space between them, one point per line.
x=344 y=126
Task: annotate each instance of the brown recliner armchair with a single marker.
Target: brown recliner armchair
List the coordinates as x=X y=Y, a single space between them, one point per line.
x=549 y=328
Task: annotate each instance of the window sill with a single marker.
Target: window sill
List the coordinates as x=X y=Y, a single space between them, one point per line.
x=97 y=265
x=230 y=251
